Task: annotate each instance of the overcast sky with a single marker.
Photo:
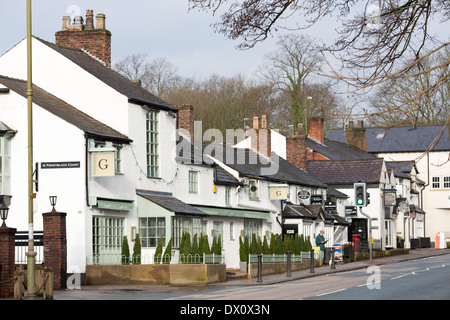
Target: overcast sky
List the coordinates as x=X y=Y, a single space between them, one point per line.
x=160 y=28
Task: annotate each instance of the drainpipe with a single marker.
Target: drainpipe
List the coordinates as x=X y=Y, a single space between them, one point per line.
x=86 y=174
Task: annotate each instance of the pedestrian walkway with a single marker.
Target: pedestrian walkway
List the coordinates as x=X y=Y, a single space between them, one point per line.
x=341 y=267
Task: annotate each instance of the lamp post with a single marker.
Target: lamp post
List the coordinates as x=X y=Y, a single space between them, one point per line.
x=53 y=202
x=4 y=214
x=31 y=254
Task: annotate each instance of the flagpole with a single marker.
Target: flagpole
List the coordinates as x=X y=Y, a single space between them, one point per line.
x=31 y=254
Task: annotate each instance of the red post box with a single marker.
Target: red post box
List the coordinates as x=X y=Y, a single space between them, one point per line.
x=356 y=239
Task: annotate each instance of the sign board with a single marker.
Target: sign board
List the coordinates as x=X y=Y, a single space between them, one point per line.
x=60 y=165
x=337 y=252
x=390 y=199
x=330 y=206
x=103 y=164
x=303 y=194
x=278 y=193
x=317 y=199
x=350 y=211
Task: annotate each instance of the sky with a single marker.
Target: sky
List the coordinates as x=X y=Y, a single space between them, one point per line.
x=158 y=28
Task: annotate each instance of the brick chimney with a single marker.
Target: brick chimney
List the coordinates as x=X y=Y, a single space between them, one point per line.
x=76 y=34
x=185 y=119
x=316 y=130
x=261 y=136
x=356 y=136
x=296 y=149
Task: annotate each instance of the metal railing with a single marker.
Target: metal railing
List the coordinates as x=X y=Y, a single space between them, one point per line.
x=21 y=244
x=282 y=258
x=117 y=258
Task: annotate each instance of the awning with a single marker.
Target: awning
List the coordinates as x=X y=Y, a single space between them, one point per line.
x=112 y=204
x=234 y=212
x=170 y=203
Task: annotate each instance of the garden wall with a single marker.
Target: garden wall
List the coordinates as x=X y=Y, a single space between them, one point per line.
x=155 y=274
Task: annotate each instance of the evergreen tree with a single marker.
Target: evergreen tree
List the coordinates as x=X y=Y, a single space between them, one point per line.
x=265 y=246
x=253 y=245
x=167 y=256
x=158 y=252
x=242 y=252
x=272 y=247
x=125 y=251
x=137 y=250
x=195 y=246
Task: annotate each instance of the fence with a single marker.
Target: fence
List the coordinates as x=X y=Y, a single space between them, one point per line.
x=116 y=258
x=253 y=258
x=22 y=246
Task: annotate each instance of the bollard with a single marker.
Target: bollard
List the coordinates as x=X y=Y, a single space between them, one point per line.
x=259 y=268
x=288 y=264
x=311 y=265
x=333 y=266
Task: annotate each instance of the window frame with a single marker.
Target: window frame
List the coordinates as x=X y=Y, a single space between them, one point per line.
x=152 y=143
x=193 y=182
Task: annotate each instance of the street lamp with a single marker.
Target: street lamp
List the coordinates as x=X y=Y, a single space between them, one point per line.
x=4 y=213
x=53 y=202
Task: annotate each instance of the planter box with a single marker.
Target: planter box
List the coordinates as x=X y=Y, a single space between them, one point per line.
x=155 y=274
x=278 y=267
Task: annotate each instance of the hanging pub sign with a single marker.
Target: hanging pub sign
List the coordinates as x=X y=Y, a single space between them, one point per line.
x=103 y=164
x=390 y=199
x=316 y=199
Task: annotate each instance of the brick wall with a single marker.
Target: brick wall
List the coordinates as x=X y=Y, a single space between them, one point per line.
x=296 y=151
x=316 y=129
x=7 y=261
x=55 y=247
x=77 y=35
x=356 y=135
x=185 y=119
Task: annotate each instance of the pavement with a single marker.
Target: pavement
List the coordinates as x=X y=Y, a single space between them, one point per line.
x=144 y=292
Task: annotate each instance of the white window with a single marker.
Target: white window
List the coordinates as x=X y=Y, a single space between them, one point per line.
x=152 y=230
x=232 y=231
x=447 y=182
x=152 y=144
x=193 y=182
x=118 y=159
x=228 y=196
x=435 y=182
x=5 y=165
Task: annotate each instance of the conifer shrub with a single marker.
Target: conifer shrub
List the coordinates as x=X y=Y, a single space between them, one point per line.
x=125 y=253
x=158 y=253
x=137 y=250
x=167 y=256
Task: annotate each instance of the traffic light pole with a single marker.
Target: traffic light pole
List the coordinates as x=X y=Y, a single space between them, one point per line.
x=370 y=233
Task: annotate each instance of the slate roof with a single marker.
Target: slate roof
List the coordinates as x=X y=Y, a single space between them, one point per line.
x=339 y=172
x=335 y=150
x=221 y=177
x=170 y=203
x=400 y=139
x=252 y=165
x=63 y=110
x=305 y=212
x=134 y=92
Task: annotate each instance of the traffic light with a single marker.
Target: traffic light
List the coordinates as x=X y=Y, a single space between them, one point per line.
x=360 y=194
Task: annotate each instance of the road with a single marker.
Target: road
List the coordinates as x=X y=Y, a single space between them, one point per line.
x=422 y=279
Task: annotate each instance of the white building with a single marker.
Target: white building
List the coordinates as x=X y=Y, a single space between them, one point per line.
x=107 y=149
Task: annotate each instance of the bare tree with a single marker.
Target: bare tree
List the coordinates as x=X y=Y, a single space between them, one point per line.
x=375 y=38
x=157 y=76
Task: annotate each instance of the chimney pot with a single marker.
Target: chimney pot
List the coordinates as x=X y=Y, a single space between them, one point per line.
x=89 y=19
x=255 y=123
x=65 y=23
x=100 y=21
x=264 y=122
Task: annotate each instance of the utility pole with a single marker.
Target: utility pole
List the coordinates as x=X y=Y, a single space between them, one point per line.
x=31 y=254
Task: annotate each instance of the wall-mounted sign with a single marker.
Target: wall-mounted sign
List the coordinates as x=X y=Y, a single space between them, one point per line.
x=350 y=211
x=278 y=192
x=103 y=164
x=330 y=206
x=317 y=199
x=60 y=165
x=303 y=194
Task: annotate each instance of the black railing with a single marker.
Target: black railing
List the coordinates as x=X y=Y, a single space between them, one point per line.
x=22 y=246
